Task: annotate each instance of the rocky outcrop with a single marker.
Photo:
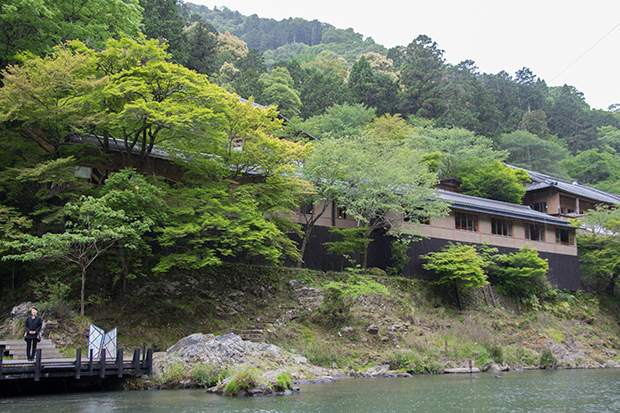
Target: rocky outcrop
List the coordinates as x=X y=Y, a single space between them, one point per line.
x=230 y=351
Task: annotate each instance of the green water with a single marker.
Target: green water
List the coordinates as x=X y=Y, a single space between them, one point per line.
x=531 y=391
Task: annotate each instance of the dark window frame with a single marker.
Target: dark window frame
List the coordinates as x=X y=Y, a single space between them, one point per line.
x=502 y=227
x=466 y=221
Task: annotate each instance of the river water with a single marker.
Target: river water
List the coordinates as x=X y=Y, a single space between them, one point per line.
x=530 y=391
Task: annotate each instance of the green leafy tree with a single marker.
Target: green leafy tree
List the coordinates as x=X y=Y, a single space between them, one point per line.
x=162 y=21
x=36 y=26
x=381 y=184
x=215 y=217
x=593 y=166
x=353 y=242
x=529 y=151
x=92 y=228
x=599 y=249
x=421 y=73
x=339 y=121
x=496 y=181
x=459 y=265
x=372 y=89
x=460 y=150
x=522 y=273
x=279 y=90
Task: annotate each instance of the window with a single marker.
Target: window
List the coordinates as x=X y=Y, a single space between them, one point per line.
x=501 y=227
x=540 y=207
x=534 y=232
x=564 y=236
x=468 y=222
x=341 y=212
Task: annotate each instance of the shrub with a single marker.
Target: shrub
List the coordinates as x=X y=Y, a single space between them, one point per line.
x=547 y=360
x=243 y=380
x=205 y=375
x=284 y=381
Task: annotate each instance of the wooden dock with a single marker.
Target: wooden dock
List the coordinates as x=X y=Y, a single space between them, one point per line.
x=50 y=368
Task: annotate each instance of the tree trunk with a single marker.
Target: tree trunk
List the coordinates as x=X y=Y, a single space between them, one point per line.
x=121 y=252
x=304 y=243
x=458 y=295
x=365 y=258
x=82 y=292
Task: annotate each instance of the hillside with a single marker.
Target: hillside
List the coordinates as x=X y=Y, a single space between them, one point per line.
x=415 y=329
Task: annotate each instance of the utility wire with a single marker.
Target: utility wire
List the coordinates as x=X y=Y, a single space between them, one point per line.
x=584 y=53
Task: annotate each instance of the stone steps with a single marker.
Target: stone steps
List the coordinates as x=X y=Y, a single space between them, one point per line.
x=17 y=349
x=253 y=332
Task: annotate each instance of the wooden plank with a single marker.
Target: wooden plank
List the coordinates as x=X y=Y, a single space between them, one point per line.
x=78 y=363
x=136 y=362
x=102 y=365
x=37 y=365
x=119 y=362
x=149 y=362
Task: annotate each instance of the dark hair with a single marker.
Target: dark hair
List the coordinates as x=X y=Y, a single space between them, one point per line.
x=34 y=308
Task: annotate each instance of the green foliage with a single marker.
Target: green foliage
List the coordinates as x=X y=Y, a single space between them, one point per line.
x=496 y=181
x=339 y=121
x=244 y=379
x=340 y=296
x=529 y=151
x=547 y=360
x=459 y=264
x=284 y=381
x=352 y=241
x=399 y=248
x=205 y=375
x=522 y=273
x=461 y=150
x=380 y=183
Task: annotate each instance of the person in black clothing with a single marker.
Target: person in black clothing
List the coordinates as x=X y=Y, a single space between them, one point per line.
x=32 y=335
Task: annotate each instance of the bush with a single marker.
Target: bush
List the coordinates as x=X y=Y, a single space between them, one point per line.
x=284 y=381
x=547 y=360
x=243 y=380
x=205 y=375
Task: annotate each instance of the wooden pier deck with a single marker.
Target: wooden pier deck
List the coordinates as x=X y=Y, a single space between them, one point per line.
x=50 y=368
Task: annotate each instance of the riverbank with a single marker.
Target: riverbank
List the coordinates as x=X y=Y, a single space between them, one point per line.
x=306 y=332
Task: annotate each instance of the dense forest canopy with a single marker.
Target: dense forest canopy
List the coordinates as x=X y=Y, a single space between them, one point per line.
x=118 y=84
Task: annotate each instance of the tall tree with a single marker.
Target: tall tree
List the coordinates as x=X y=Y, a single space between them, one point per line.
x=92 y=228
x=381 y=184
x=162 y=21
x=421 y=74
x=37 y=26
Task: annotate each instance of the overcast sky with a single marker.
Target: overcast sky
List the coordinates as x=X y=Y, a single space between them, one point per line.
x=548 y=36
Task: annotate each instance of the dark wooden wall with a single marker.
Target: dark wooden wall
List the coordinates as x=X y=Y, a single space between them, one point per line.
x=563 y=269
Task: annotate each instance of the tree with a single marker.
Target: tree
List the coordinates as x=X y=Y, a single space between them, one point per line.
x=460 y=150
x=522 y=273
x=375 y=90
x=381 y=184
x=36 y=26
x=235 y=193
x=43 y=95
x=92 y=229
x=496 y=181
x=162 y=21
x=599 y=250
x=460 y=265
x=529 y=151
x=279 y=90
x=421 y=73
x=593 y=166
x=339 y=121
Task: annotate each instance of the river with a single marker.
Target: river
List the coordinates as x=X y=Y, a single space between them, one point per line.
x=530 y=391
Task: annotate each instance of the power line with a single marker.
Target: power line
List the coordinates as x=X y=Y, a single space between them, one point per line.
x=584 y=53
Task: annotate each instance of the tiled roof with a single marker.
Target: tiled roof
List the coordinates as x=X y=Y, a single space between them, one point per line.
x=498 y=208
x=542 y=181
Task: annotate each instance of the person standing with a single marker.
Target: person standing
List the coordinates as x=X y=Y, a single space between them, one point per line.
x=32 y=335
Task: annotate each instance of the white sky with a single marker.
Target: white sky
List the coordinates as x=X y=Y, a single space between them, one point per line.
x=545 y=35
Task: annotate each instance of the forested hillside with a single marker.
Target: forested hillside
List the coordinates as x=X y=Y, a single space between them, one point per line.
x=307 y=67
x=91 y=96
